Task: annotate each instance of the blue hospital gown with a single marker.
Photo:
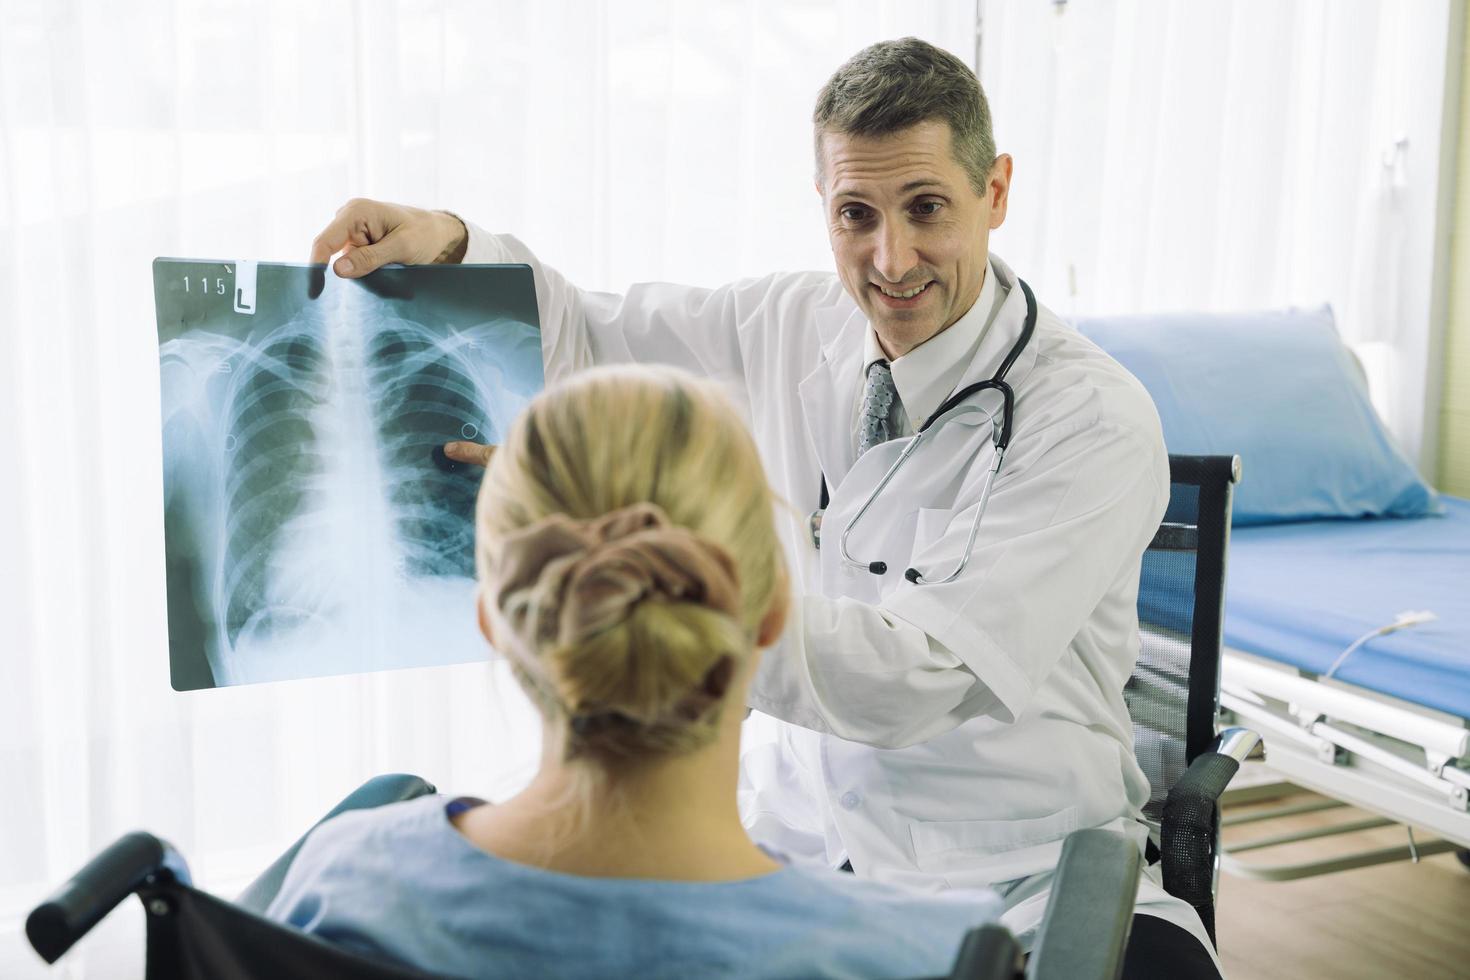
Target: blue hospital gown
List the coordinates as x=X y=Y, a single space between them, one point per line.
x=400 y=881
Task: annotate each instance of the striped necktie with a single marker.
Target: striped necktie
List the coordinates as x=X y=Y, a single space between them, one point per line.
x=878 y=422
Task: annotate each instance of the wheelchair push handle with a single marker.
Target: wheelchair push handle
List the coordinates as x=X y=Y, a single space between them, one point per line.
x=132 y=861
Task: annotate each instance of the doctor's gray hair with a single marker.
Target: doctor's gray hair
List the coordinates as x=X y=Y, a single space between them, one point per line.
x=892 y=85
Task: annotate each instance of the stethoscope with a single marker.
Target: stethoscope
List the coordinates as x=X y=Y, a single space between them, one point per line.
x=1000 y=436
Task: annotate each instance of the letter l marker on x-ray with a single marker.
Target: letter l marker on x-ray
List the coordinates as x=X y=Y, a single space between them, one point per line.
x=245 y=287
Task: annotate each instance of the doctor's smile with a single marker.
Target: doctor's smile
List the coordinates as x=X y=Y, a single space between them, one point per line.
x=904 y=299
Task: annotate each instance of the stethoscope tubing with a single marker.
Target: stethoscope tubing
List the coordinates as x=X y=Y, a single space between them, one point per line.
x=916 y=577
x=876 y=567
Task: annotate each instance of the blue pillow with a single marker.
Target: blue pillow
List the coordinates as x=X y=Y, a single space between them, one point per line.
x=1280 y=390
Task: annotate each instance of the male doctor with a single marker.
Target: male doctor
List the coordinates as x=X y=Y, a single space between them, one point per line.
x=932 y=732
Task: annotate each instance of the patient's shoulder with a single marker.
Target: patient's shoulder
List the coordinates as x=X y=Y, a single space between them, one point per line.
x=421 y=816
x=366 y=847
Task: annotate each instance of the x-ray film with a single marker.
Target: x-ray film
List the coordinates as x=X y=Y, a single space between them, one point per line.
x=312 y=524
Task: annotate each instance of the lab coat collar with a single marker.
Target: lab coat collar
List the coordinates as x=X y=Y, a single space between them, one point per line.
x=1002 y=335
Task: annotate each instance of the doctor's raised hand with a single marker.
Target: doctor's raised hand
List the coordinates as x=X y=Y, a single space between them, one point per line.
x=371 y=234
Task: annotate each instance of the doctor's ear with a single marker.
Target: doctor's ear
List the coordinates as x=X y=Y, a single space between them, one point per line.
x=998 y=190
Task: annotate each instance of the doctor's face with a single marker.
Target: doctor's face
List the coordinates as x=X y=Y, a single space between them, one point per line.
x=909 y=233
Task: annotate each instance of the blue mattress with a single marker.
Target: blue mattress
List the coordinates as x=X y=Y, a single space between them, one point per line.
x=1302 y=593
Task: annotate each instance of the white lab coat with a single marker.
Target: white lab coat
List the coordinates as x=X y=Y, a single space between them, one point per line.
x=949 y=735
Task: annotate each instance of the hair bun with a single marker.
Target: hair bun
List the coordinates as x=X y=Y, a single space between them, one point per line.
x=562 y=580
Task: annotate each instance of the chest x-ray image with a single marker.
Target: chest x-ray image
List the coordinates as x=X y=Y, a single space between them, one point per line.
x=312 y=523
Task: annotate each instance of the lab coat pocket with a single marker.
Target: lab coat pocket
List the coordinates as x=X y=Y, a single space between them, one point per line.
x=938 y=844
x=932 y=523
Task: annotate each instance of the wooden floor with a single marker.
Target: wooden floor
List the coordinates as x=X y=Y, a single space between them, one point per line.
x=1394 y=920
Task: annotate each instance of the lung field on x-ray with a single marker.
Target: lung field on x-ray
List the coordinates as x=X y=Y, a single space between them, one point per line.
x=425 y=393
x=303 y=500
x=275 y=473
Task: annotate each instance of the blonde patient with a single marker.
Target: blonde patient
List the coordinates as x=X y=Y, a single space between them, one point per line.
x=631 y=574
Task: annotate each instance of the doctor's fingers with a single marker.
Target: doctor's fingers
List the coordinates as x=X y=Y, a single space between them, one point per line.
x=372 y=233
x=358 y=222
x=474 y=453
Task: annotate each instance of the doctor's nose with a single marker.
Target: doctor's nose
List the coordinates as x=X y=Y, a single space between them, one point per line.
x=894 y=255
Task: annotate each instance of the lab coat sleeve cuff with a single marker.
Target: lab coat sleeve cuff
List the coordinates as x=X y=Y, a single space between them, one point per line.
x=565 y=346
x=484 y=248
x=989 y=663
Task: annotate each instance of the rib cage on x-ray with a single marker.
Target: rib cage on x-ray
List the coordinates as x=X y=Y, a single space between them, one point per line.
x=337 y=540
x=327 y=444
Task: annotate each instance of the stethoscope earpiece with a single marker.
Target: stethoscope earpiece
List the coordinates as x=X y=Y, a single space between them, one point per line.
x=912 y=575
x=878 y=567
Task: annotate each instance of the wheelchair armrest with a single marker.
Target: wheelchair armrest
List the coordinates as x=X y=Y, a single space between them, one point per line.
x=131 y=861
x=1191 y=821
x=1085 y=931
x=1209 y=774
x=376 y=792
x=989 y=952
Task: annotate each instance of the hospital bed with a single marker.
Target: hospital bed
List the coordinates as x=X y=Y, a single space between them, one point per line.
x=1371 y=716
x=1347 y=612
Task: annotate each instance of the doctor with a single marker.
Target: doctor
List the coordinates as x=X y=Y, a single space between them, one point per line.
x=949 y=695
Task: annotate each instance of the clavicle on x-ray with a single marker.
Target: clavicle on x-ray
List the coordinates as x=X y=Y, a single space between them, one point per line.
x=312 y=523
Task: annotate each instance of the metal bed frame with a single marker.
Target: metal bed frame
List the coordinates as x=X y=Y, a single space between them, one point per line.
x=1407 y=764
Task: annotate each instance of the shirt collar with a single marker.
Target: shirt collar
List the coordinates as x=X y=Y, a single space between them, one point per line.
x=927 y=374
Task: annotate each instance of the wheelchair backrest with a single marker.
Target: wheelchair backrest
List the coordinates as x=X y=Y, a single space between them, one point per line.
x=1173 y=695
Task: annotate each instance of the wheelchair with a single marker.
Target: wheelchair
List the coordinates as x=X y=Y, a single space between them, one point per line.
x=192 y=935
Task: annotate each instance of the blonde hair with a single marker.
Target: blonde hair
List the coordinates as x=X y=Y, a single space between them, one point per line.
x=607 y=440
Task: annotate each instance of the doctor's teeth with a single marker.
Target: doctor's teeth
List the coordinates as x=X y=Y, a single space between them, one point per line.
x=910 y=294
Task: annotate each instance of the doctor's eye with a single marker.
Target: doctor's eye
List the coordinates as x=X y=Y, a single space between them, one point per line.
x=853 y=213
x=927 y=209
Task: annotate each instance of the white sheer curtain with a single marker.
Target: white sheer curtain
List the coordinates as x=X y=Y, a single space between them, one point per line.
x=1167 y=156
x=1242 y=155
x=624 y=140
